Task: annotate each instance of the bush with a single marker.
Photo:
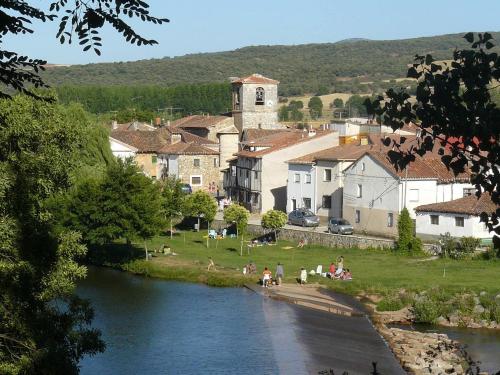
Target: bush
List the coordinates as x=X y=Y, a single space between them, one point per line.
x=390 y=303
x=407 y=242
x=469 y=244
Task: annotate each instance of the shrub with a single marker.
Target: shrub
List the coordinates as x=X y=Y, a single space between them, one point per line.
x=390 y=303
x=469 y=244
x=407 y=242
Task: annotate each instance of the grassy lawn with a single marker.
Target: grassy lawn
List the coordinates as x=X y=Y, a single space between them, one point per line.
x=376 y=271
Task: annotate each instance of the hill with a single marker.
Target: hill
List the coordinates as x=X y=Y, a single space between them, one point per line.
x=341 y=66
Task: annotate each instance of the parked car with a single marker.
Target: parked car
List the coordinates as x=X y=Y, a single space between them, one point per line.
x=186 y=189
x=303 y=217
x=339 y=226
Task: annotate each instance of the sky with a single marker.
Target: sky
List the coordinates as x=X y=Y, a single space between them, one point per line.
x=220 y=25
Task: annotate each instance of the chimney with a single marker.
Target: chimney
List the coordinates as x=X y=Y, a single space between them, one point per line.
x=168 y=123
x=114 y=124
x=175 y=138
x=157 y=121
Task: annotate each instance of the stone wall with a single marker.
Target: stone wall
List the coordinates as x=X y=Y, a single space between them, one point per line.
x=321 y=238
x=207 y=170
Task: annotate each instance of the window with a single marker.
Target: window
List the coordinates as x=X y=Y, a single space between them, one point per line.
x=327 y=175
x=216 y=162
x=469 y=191
x=196 y=162
x=259 y=96
x=247 y=173
x=308 y=178
x=413 y=195
x=435 y=219
x=390 y=219
x=195 y=180
x=294 y=204
x=327 y=201
x=233 y=170
x=357 y=216
x=255 y=175
x=359 y=190
x=459 y=221
x=154 y=159
x=362 y=166
x=296 y=177
x=307 y=202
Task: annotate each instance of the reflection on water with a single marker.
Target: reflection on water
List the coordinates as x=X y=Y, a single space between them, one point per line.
x=158 y=327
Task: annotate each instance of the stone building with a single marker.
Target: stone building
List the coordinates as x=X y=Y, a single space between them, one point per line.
x=255 y=102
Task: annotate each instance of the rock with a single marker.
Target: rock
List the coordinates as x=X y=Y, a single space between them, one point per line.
x=454 y=319
x=483 y=293
x=442 y=321
x=497 y=296
x=478 y=309
x=493 y=324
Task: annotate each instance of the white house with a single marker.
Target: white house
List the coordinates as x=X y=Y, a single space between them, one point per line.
x=459 y=217
x=315 y=181
x=375 y=192
x=121 y=149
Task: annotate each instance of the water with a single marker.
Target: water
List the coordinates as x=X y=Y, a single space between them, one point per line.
x=158 y=327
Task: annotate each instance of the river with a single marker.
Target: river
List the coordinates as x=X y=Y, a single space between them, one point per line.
x=157 y=327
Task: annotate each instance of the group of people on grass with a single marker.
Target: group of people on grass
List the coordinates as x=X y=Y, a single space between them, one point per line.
x=267 y=276
x=339 y=272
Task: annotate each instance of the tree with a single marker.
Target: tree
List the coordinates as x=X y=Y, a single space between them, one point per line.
x=172 y=199
x=82 y=21
x=44 y=327
x=123 y=204
x=356 y=106
x=274 y=219
x=315 y=107
x=296 y=115
x=283 y=113
x=322 y=90
x=238 y=215
x=454 y=111
x=295 y=104
x=338 y=103
x=201 y=205
x=407 y=242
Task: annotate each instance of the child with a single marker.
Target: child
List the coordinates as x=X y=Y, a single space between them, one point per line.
x=266 y=277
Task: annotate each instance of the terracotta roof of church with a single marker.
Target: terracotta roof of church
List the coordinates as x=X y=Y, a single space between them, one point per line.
x=256 y=78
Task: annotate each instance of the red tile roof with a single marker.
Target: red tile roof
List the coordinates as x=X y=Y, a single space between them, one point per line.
x=182 y=148
x=257 y=79
x=198 y=121
x=344 y=152
x=278 y=141
x=469 y=205
x=427 y=167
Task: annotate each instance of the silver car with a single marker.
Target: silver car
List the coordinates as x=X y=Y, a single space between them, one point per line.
x=303 y=217
x=339 y=226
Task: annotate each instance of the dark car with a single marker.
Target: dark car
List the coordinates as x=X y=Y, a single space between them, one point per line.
x=339 y=226
x=303 y=217
x=186 y=189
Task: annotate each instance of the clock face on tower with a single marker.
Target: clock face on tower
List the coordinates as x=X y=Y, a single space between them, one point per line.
x=269 y=103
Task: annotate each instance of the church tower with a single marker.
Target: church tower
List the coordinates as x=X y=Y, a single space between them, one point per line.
x=255 y=102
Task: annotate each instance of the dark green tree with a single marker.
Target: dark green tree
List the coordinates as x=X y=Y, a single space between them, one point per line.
x=407 y=242
x=338 y=103
x=123 y=204
x=283 y=113
x=315 y=107
x=295 y=104
x=39 y=149
x=455 y=113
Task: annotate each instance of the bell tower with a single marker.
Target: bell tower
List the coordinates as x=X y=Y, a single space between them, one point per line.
x=255 y=102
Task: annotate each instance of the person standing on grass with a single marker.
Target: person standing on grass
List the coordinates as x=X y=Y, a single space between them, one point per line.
x=280 y=273
x=303 y=276
x=211 y=264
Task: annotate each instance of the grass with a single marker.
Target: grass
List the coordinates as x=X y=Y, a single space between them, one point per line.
x=374 y=271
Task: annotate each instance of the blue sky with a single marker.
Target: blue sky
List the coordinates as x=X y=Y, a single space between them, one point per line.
x=220 y=25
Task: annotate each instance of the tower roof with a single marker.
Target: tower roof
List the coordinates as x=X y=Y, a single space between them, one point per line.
x=255 y=78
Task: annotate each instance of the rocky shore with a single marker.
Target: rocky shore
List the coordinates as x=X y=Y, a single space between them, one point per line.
x=425 y=353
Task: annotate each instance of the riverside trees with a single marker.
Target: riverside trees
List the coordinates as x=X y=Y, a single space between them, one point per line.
x=274 y=220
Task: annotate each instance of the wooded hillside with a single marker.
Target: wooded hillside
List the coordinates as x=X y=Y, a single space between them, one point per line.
x=330 y=67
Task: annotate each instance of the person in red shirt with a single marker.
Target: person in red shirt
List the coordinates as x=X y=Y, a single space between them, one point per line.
x=331 y=270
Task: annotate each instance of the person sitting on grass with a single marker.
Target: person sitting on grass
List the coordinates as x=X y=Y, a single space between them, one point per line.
x=331 y=271
x=266 y=277
x=347 y=275
x=340 y=267
x=301 y=243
